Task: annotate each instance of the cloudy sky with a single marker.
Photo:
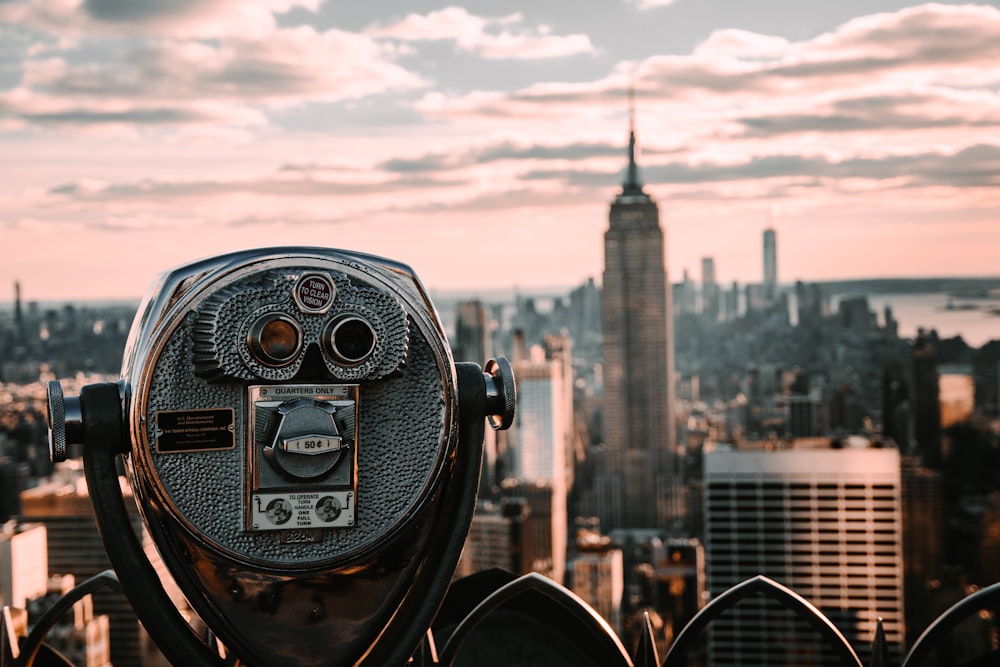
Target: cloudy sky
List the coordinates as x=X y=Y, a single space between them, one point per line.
x=482 y=143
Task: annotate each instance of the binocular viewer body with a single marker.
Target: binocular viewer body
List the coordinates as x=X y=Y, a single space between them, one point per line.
x=303 y=449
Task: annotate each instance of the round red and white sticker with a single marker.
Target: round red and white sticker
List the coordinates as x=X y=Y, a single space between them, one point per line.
x=314 y=292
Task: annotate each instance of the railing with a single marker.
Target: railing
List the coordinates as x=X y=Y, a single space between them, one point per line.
x=570 y=627
x=495 y=618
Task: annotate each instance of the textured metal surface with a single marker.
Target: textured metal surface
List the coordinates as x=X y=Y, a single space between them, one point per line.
x=400 y=445
x=203 y=362
x=57 y=422
x=223 y=322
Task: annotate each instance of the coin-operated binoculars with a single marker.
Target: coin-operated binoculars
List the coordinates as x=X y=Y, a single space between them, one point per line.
x=304 y=452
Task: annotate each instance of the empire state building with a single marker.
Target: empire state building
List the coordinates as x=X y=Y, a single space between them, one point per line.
x=642 y=485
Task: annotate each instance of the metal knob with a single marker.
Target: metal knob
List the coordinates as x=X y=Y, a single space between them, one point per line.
x=65 y=422
x=501 y=393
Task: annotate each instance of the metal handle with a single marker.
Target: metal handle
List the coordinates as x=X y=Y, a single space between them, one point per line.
x=501 y=393
x=65 y=417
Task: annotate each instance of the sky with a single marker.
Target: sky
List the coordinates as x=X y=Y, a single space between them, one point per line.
x=482 y=143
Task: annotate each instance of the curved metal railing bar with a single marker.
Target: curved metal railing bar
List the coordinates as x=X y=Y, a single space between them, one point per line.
x=140 y=582
x=986 y=598
x=602 y=638
x=775 y=591
x=33 y=642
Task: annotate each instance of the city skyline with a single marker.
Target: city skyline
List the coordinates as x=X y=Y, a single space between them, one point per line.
x=755 y=387
x=136 y=138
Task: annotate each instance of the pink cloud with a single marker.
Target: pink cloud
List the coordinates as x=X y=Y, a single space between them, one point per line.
x=175 y=82
x=923 y=45
x=477 y=34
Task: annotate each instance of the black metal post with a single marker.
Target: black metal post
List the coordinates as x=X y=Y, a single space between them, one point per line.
x=102 y=431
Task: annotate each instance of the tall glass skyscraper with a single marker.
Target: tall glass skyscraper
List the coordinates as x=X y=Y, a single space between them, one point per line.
x=542 y=432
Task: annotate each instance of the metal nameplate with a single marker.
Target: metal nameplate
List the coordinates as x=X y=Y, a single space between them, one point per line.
x=195 y=430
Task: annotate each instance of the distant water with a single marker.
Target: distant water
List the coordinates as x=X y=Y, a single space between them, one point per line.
x=930 y=311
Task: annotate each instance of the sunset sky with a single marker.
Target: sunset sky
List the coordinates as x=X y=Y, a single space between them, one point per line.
x=482 y=143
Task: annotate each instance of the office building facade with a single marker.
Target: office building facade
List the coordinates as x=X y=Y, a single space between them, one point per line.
x=542 y=433
x=599 y=580
x=826 y=522
x=24 y=563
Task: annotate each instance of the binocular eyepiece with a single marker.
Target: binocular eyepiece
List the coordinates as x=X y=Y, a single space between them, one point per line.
x=303 y=449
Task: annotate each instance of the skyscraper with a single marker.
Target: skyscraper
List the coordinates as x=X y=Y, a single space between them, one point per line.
x=710 y=304
x=18 y=315
x=543 y=430
x=641 y=484
x=923 y=544
x=825 y=522
x=927 y=402
x=24 y=563
x=770 y=265
x=513 y=533
x=472 y=334
x=599 y=579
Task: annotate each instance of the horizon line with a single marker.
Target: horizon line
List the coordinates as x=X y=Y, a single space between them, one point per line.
x=551 y=290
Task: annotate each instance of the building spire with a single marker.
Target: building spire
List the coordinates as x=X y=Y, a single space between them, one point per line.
x=632 y=184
